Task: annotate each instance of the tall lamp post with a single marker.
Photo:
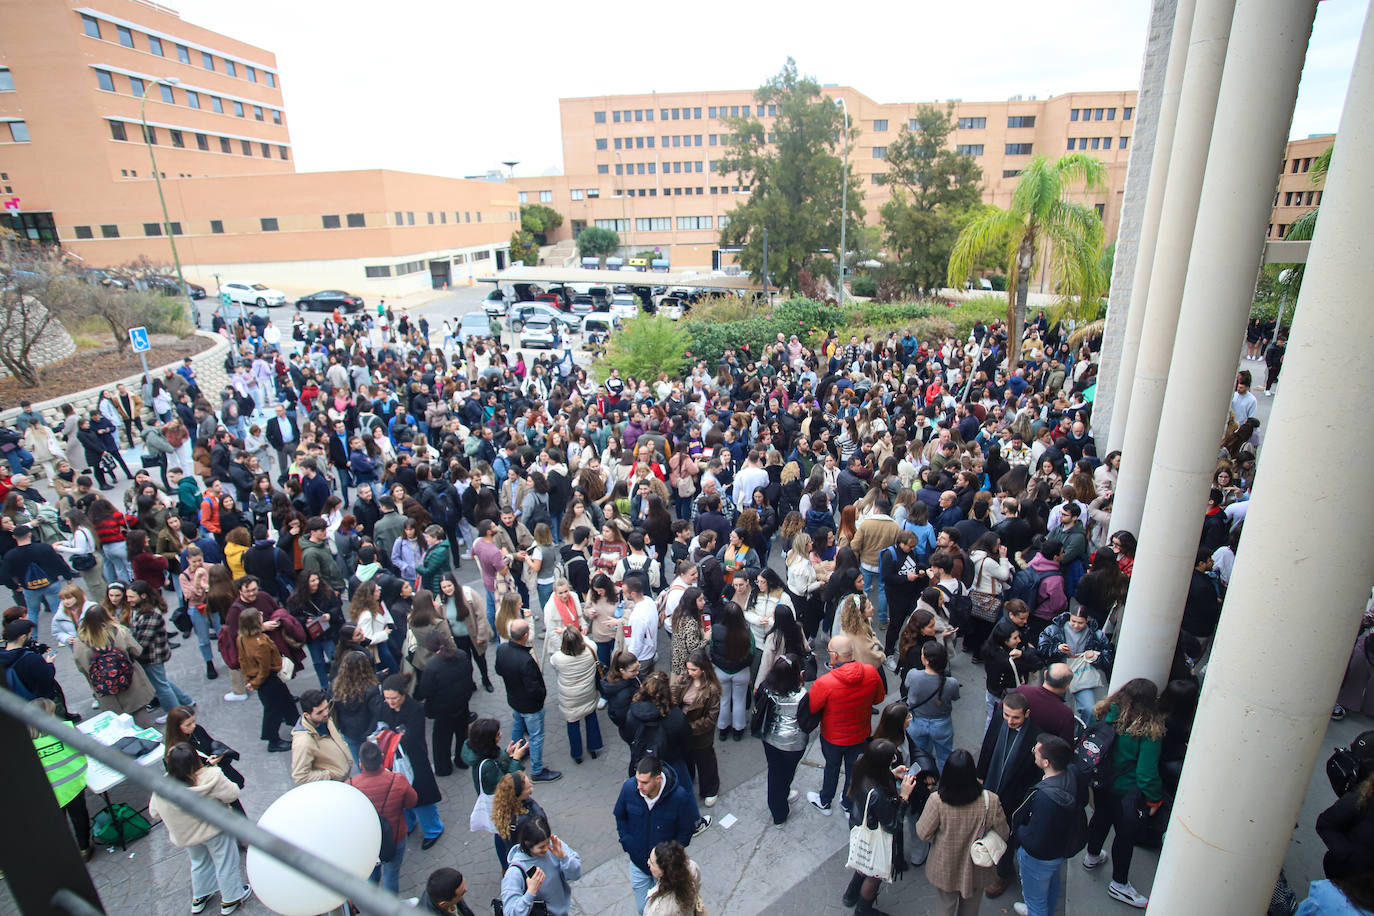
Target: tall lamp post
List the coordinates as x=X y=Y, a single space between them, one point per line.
x=157 y=178
x=844 y=193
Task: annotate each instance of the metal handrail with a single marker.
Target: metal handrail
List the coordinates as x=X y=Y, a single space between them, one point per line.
x=370 y=897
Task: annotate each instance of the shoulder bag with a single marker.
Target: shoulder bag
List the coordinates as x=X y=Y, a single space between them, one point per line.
x=987 y=850
x=986 y=606
x=480 y=819
x=870 y=848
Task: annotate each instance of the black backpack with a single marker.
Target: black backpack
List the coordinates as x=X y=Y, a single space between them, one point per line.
x=1092 y=755
x=1025 y=586
x=646 y=741
x=1343 y=770
x=959 y=608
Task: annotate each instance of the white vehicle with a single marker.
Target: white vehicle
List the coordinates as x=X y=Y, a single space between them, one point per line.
x=495 y=303
x=539 y=332
x=473 y=326
x=254 y=294
x=624 y=306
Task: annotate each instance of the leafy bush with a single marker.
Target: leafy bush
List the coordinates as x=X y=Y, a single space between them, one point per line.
x=646 y=346
x=999 y=282
x=711 y=332
x=864 y=285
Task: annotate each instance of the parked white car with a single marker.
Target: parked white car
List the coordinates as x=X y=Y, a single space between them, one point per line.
x=473 y=326
x=624 y=306
x=538 y=331
x=254 y=294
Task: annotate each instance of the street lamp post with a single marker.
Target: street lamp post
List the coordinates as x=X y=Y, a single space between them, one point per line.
x=844 y=193
x=157 y=179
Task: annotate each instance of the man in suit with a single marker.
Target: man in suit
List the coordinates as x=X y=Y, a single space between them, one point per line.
x=338 y=456
x=1006 y=765
x=282 y=435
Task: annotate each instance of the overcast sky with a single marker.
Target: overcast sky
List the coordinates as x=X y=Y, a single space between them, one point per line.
x=448 y=87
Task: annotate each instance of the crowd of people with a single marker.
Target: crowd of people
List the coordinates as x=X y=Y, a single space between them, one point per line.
x=784 y=544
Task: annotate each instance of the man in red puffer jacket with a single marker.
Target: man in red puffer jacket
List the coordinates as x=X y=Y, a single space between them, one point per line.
x=844 y=699
x=391 y=794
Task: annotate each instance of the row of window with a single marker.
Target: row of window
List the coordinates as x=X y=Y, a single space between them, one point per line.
x=679 y=192
x=381 y=271
x=545 y=197
x=1099 y=114
x=1013 y=121
x=1299 y=165
x=627 y=115
x=177 y=139
x=1301 y=198
x=407 y=217
x=111 y=231
x=588 y=194
x=1097 y=142
x=271 y=224
x=138 y=88
x=661 y=223
x=155 y=45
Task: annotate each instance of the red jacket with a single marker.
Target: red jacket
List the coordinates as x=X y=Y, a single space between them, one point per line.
x=390 y=793
x=844 y=698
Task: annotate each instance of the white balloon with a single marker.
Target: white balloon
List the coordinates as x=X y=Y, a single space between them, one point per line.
x=334 y=821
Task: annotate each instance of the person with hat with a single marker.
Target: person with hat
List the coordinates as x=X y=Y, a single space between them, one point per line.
x=37 y=570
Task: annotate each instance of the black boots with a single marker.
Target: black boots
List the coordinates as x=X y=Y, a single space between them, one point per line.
x=210 y=672
x=851 y=893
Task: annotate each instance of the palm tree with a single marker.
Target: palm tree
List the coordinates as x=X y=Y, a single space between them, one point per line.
x=1290 y=276
x=1039 y=213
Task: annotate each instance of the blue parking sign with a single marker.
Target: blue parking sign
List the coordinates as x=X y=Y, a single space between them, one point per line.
x=139 y=338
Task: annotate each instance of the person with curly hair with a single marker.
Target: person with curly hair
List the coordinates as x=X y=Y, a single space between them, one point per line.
x=511 y=805
x=677 y=891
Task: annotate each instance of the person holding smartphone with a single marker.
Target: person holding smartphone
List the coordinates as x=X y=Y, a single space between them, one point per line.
x=539 y=873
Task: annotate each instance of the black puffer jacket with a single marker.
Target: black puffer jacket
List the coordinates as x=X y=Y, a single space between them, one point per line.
x=1347 y=829
x=618 y=695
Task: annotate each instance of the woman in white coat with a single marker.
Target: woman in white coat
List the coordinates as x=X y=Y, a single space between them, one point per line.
x=562 y=611
x=576 y=667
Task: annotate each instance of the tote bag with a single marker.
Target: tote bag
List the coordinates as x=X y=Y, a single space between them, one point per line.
x=480 y=819
x=870 y=848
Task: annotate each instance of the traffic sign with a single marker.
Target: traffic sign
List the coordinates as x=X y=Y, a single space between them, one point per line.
x=139 y=338
x=224 y=298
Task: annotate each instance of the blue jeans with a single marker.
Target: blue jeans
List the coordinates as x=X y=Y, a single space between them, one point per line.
x=427 y=816
x=873 y=588
x=1083 y=702
x=117 y=568
x=545 y=592
x=21 y=461
x=641 y=883
x=934 y=736
x=201 y=624
x=834 y=755
x=168 y=693
x=35 y=598
x=354 y=747
x=491 y=617
x=389 y=873
x=531 y=724
x=604 y=651
x=321 y=655
x=1042 y=881
x=593 y=736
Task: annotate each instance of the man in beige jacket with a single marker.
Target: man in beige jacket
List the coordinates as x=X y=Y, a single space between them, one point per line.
x=875 y=534
x=318 y=751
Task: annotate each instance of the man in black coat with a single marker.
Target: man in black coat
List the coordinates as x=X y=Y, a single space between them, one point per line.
x=446 y=687
x=1202 y=608
x=283 y=435
x=849 y=486
x=525 y=694
x=1006 y=765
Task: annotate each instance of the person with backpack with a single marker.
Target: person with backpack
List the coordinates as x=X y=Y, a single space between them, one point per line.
x=639 y=564
x=391 y=794
x=36 y=570
x=404 y=714
x=28 y=672
x=1129 y=789
x=539 y=874
x=105 y=652
x=319 y=751
x=1041 y=586
x=1049 y=827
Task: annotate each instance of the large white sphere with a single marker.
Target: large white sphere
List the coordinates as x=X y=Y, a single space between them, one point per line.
x=334 y=821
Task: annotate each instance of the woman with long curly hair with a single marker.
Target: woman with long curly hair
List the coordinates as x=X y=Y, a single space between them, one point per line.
x=357 y=700
x=678 y=891
x=511 y=804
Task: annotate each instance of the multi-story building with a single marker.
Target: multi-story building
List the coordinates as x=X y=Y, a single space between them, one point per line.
x=1297 y=193
x=80 y=80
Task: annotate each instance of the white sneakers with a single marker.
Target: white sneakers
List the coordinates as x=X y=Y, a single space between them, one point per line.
x=1127 y=895
x=232 y=697
x=710 y=801
x=1020 y=909
x=1091 y=861
x=792 y=796
x=815 y=799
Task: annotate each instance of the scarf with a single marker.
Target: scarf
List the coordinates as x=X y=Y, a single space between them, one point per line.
x=567 y=610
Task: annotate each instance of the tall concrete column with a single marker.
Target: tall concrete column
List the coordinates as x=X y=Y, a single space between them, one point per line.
x=1197 y=107
x=1258 y=91
x=1269 y=691
x=1161 y=79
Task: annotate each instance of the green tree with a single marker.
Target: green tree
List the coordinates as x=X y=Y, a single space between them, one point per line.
x=1040 y=214
x=646 y=346
x=524 y=248
x=934 y=190
x=595 y=242
x=1288 y=282
x=539 y=220
x=794 y=181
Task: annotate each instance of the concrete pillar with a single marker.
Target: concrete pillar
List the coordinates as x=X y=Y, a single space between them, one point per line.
x=1259 y=89
x=1269 y=690
x=1161 y=76
x=1197 y=107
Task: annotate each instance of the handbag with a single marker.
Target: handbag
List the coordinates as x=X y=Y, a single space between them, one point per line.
x=288 y=669
x=758 y=720
x=870 y=848
x=988 y=849
x=107 y=463
x=83 y=561
x=480 y=818
x=986 y=606
x=181 y=619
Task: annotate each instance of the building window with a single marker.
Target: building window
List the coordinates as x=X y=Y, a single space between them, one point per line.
x=524 y=197
x=410 y=218
x=150 y=135
x=1018 y=149
x=91 y=26
x=710 y=111
x=1097 y=114
x=772 y=111
x=880 y=152
x=83 y=232
x=266 y=150
x=109 y=231
x=176 y=228
x=207 y=60
x=973 y=123
x=912 y=124
x=126 y=38
x=639 y=114
x=1082 y=142
x=601 y=143
x=734 y=110
x=1121 y=144
x=216 y=105
x=257 y=112
x=1073 y=114
x=758 y=112
x=664 y=114
x=1096 y=142
x=649 y=141
x=192 y=99
x=1101 y=210
x=177 y=140
x=575 y=194
x=356 y=221
x=250 y=73
x=374 y=273
x=1021 y=121
x=281 y=153
x=615 y=116
x=1111 y=114
x=246 y=147
x=1071 y=141
x=271 y=78
x=268 y=223
x=880 y=126
x=598 y=117
x=183 y=54
x=652 y=166
x=430 y=215
x=229 y=68
x=1126 y=113
x=217 y=227
x=399 y=218
x=276 y=116
x=238 y=109
x=1010 y=173
x=152 y=228
x=604 y=170
x=617 y=143
x=653 y=224
x=877 y=177
x=594 y=192
x=224 y=146
x=167 y=95
x=202 y=142
x=677 y=140
x=331 y=221
x=711 y=140
x=969 y=149
x=136 y=87
x=102 y=79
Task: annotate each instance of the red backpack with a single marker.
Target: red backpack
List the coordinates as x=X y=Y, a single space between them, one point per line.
x=388 y=741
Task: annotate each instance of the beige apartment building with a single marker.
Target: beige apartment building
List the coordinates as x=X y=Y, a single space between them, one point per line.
x=78 y=80
x=646 y=165
x=1297 y=194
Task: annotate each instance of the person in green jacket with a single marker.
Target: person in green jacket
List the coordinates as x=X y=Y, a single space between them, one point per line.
x=66 y=771
x=317 y=558
x=436 y=561
x=1136 y=791
x=483 y=754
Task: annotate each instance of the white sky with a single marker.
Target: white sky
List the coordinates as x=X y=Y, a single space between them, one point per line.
x=453 y=87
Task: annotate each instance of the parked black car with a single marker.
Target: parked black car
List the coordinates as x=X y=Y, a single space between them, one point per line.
x=328 y=300
x=171 y=286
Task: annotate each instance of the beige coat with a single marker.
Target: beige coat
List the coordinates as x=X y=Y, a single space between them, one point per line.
x=950 y=832
x=874 y=534
x=316 y=757
x=577 y=677
x=868 y=649
x=185 y=829
x=140 y=692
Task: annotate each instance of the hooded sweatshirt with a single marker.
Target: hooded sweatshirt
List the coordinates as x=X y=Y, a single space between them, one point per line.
x=556 y=891
x=1044 y=823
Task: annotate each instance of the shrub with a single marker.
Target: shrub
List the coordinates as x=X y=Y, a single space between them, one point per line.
x=864 y=285
x=646 y=346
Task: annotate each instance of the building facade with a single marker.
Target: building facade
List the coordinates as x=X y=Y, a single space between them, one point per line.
x=1298 y=193
x=78 y=83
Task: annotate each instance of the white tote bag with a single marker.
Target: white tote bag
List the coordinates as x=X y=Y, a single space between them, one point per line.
x=870 y=848
x=480 y=819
